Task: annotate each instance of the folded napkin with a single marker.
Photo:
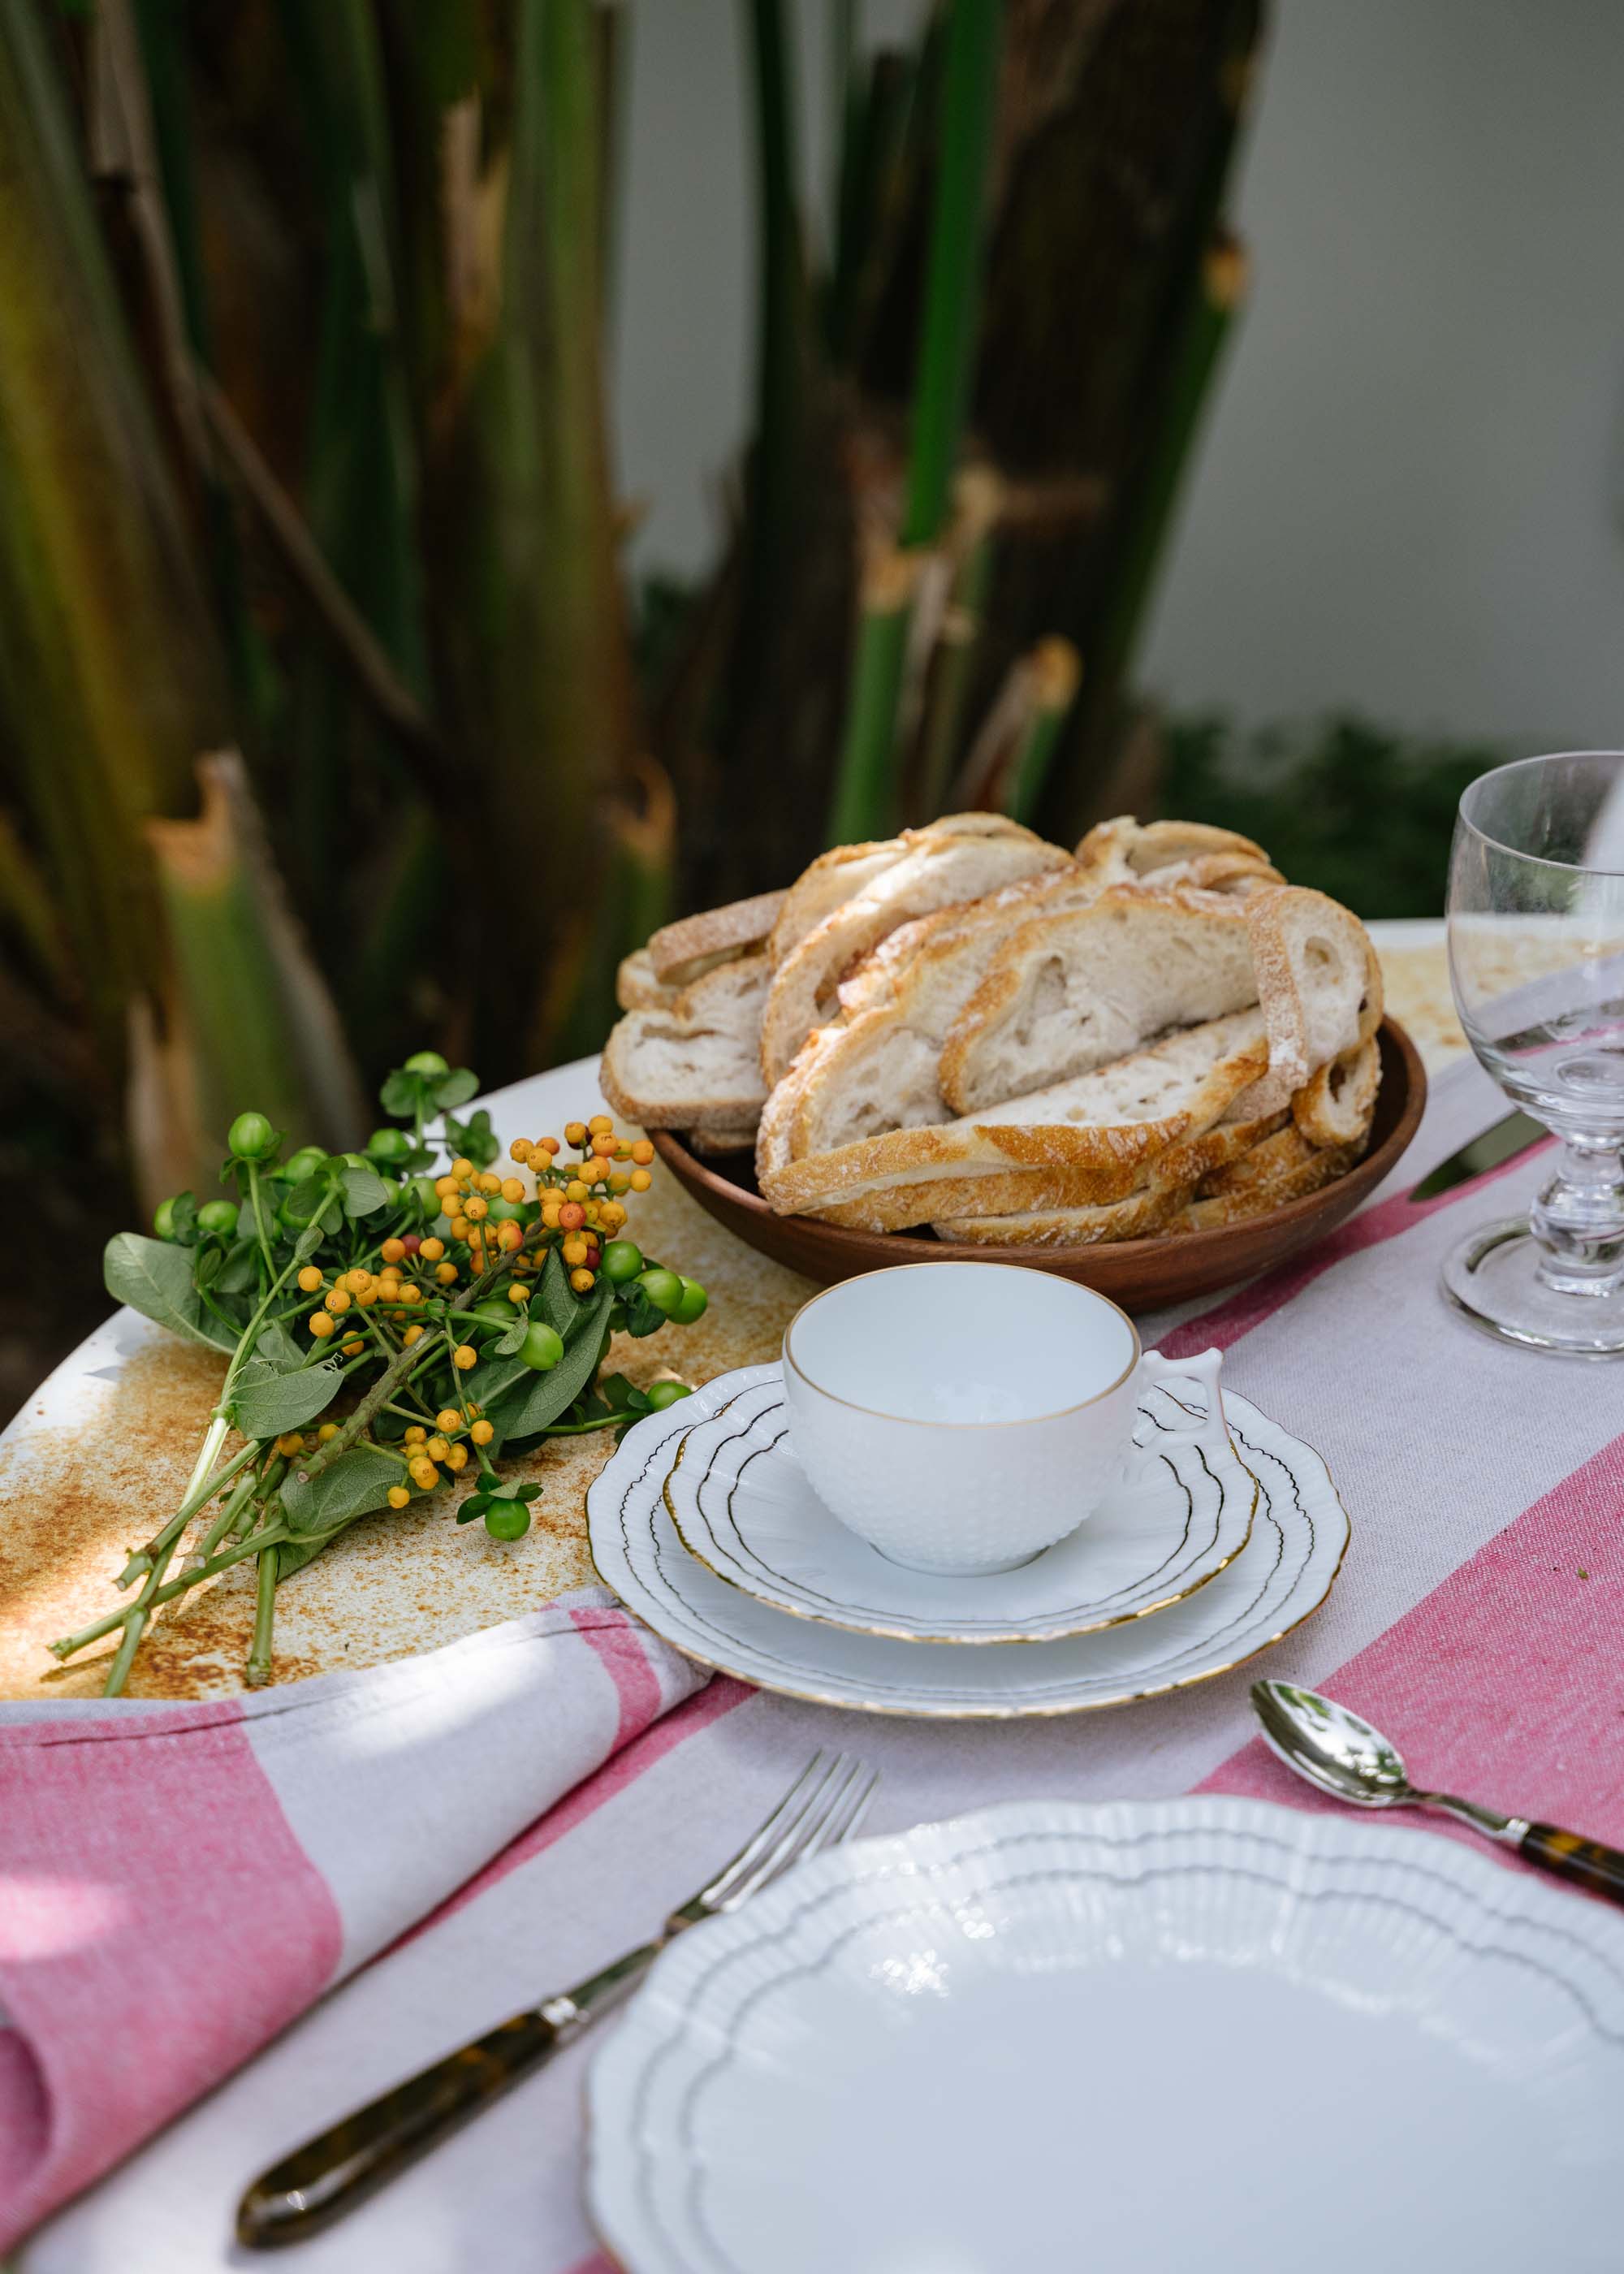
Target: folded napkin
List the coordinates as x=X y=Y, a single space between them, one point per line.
x=178 y=1882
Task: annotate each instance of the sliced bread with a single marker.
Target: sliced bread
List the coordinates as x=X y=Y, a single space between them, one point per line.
x=636 y=988
x=681 y=953
x=1317 y=976
x=1284 y=1168
x=1140 y=1217
x=1073 y=992
x=834 y=877
x=1108 y=1125
x=695 y=1064
x=959 y=858
x=1334 y=1106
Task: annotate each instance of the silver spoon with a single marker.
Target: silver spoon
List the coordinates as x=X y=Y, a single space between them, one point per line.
x=1343 y=1756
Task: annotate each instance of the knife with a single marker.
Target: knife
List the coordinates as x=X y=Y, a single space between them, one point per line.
x=1503 y=1141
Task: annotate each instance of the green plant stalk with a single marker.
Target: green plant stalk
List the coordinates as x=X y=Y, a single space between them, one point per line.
x=201 y=1490
x=955 y=673
x=1149 y=517
x=270 y=1535
x=952 y=285
x=1054 y=672
x=257 y=1672
x=865 y=782
x=110 y=675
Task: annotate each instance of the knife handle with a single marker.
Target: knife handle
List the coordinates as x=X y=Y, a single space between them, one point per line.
x=1586 y=1863
x=341 y=2166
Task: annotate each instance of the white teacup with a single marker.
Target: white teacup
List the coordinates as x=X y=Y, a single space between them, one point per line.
x=963 y=1417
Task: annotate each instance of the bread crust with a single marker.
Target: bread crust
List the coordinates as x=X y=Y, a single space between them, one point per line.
x=1336 y=1104
x=682 y=952
x=636 y=988
x=717 y=1016
x=1140 y=1217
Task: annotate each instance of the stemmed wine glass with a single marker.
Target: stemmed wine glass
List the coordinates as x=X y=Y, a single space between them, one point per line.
x=1537 y=960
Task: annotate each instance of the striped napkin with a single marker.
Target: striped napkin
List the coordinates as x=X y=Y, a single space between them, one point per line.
x=179 y=1883
x=1479 y=1618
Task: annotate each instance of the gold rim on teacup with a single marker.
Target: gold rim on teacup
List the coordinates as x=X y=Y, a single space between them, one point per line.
x=918 y=1421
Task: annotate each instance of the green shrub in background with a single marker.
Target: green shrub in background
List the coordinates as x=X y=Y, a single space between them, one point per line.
x=1353 y=809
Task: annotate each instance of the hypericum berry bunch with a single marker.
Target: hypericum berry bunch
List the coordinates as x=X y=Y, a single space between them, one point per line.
x=442 y=1319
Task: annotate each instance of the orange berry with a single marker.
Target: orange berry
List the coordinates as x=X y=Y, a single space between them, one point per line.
x=399 y=1497
x=511 y=1189
x=447 y=1420
x=446 y=1188
x=575 y=1190
x=623 y=1148
x=289 y=1443
x=520 y=1150
x=432 y=1250
x=574 y=1250
x=357 y=1281
x=310 y=1279
x=574 y=1133
x=476 y=1208
x=464 y=1357
x=456 y=1459
x=619 y=1183
x=369 y=1297
x=321 y=1326
x=459 y=1227
x=509 y=1236
x=546 y=1145
x=572 y=1215
x=482 y=1433
x=417 y=1435
x=596 y=1170
x=461 y=1166
x=582 y=1282
x=550 y=1212
x=424 y=1474
x=393 y=1250
x=643 y=1152
x=641 y=1180
x=338 y=1300
x=354 y=1347
x=489 y=1184
x=411 y=1335
x=437 y=1448
x=518 y=1294
x=600 y=1125
x=445 y=1273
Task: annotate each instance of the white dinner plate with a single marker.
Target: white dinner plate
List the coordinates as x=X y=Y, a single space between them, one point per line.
x=1284 y=1572
x=742 y=1504
x=1147 y=2038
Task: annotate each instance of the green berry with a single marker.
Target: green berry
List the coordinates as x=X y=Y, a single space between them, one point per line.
x=304 y=1164
x=218 y=1218
x=663 y=1288
x=623 y=1261
x=163 y=1219
x=506 y=1519
x=543 y=1346
x=662 y=1394
x=419 y=1193
x=252 y=1137
x=387 y=1144
x=426 y=1062
x=693 y=1305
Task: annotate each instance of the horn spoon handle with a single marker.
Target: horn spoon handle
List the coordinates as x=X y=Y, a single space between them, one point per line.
x=1586 y=1863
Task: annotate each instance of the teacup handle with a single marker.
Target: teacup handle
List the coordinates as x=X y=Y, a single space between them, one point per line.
x=1206 y=1368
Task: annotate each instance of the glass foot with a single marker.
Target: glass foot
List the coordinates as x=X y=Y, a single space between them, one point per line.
x=1492 y=1279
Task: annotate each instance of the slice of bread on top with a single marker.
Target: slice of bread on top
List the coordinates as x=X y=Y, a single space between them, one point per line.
x=636 y=988
x=1317 y=976
x=1107 y=1126
x=825 y=883
x=696 y=1065
x=681 y=953
x=959 y=859
x=1074 y=991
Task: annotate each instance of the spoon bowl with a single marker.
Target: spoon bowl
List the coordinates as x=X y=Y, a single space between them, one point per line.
x=1331 y=1747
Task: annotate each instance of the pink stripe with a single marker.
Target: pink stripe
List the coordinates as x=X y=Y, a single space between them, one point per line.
x=1500 y=1684
x=1253 y=1304
x=174 y=1925
x=619 y=1643
x=696 y=1713
x=596 y=2264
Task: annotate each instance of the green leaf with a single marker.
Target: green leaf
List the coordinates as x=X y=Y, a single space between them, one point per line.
x=155 y=1279
x=239 y=1273
x=294 y=1554
x=559 y=1305
x=364 y=1191
x=643 y=1317
x=307 y=1243
x=455 y=1089
x=514 y=1336
x=525 y=1410
x=399 y=1094
x=269 y=1401
x=474 y=1137
x=277 y=1348
x=354 y=1484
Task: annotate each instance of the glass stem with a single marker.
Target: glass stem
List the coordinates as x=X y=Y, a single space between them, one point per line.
x=1578 y=1220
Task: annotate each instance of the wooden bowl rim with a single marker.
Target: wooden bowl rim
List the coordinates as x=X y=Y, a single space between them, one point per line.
x=846 y=1240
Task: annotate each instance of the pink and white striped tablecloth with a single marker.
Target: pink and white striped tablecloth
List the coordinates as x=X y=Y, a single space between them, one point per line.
x=1480 y=1617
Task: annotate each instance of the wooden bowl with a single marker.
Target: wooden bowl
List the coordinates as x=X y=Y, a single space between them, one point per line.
x=1141 y=1275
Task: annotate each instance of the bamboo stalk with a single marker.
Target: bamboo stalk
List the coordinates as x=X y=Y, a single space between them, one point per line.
x=1055 y=672
x=952 y=286
x=865 y=789
x=978 y=498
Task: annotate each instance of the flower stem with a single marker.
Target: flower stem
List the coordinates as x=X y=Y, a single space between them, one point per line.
x=258 y=1670
x=271 y=1536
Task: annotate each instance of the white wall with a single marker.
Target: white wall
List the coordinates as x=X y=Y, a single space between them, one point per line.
x=1409 y=498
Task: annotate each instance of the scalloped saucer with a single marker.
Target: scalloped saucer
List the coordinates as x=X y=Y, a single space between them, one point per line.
x=742 y=1505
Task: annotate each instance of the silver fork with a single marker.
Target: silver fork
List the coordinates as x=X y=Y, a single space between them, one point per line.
x=318 y=2182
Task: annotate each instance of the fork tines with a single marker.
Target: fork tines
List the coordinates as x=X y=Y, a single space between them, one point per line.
x=824 y=1806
